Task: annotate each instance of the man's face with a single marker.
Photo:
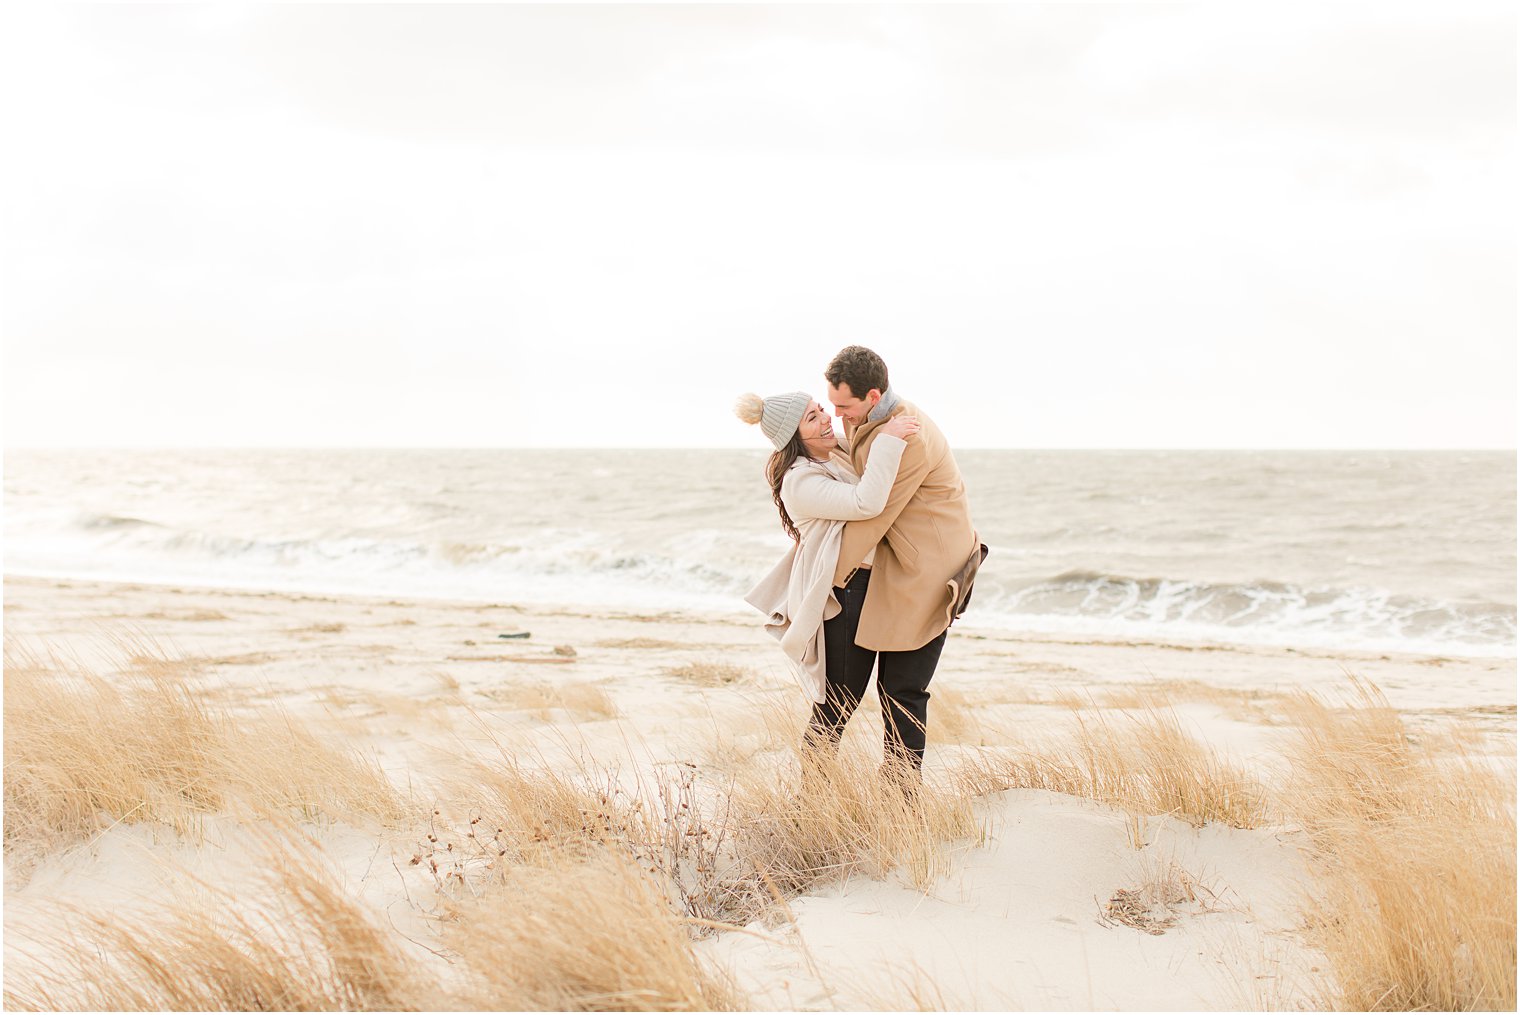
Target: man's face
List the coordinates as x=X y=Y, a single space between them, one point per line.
x=849 y=408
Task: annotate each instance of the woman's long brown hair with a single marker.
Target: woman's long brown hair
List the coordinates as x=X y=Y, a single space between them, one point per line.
x=775 y=471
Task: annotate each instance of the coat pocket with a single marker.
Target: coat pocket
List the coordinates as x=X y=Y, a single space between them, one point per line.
x=902 y=546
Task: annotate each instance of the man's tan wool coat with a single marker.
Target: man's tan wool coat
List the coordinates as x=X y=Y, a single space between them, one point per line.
x=923 y=538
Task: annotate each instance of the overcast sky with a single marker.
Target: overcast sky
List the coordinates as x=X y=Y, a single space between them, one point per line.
x=1212 y=225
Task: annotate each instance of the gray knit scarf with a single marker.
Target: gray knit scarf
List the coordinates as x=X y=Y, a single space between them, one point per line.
x=889 y=401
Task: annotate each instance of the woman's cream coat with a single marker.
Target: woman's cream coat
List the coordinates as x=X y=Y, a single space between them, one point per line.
x=797 y=595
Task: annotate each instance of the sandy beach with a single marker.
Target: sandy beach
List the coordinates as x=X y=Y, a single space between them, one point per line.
x=1022 y=913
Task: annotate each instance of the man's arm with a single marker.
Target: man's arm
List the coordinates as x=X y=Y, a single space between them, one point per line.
x=860 y=536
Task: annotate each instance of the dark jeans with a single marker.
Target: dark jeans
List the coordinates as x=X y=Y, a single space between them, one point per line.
x=902 y=682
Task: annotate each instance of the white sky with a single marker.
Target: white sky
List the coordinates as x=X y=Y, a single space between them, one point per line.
x=1222 y=225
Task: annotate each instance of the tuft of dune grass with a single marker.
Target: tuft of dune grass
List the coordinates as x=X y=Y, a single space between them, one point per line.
x=83 y=752
x=590 y=933
x=334 y=627
x=645 y=643
x=1414 y=848
x=302 y=944
x=847 y=815
x=796 y=818
x=586 y=700
x=1144 y=761
x=707 y=673
x=532 y=814
x=186 y=615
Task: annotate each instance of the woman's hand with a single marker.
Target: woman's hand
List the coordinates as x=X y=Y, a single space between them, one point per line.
x=901 y=426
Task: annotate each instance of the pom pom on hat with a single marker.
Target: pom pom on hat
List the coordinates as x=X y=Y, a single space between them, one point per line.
x=750 y=408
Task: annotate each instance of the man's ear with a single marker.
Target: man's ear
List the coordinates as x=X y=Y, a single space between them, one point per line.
x=873 y=396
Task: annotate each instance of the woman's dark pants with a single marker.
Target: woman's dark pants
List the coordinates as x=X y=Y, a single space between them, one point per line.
x=902 y=682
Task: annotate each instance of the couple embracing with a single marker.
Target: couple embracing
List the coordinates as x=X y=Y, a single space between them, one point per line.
x=883 y=551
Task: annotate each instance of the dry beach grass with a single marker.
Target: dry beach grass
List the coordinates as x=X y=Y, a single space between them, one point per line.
x=295 y=942
x=585 y=886
x=1415 y=848
x=1142 y=761
x=83 y=751
x=588 y=933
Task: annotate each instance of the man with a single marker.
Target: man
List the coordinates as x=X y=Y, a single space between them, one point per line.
x=899 y=608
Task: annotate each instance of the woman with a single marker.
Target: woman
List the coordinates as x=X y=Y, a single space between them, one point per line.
x=816 y=492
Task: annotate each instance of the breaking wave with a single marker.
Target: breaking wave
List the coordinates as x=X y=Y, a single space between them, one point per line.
x=711 y=568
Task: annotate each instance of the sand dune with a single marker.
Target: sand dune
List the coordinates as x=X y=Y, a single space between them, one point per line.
x=613 y=748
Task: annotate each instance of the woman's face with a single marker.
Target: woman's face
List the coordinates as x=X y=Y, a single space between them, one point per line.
x=817 y=431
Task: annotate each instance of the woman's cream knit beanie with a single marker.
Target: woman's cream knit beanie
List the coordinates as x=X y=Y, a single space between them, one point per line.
x=778 y=416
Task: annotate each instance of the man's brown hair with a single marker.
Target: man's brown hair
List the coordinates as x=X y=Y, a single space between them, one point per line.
x=858 y=367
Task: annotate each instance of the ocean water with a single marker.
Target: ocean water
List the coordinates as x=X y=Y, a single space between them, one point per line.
x=1365 y=550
